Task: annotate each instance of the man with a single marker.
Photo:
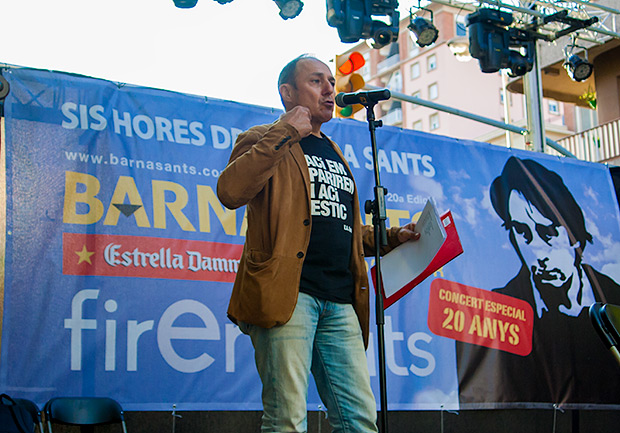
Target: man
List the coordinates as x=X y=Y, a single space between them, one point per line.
x=301 y=291
x=568 y=362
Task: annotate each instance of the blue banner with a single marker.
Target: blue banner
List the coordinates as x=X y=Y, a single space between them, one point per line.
x=119 y=259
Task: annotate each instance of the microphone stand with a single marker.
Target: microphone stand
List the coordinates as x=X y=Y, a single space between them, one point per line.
x=376 y=207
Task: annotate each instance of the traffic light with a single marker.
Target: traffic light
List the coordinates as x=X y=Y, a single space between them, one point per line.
x=348 y=80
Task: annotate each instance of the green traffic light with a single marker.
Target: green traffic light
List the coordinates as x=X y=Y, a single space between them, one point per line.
x=346 y=111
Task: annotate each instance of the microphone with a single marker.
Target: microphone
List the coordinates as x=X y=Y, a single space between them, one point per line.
x=364 y=98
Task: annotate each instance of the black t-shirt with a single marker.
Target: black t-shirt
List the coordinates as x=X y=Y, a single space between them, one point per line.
x=325 y=272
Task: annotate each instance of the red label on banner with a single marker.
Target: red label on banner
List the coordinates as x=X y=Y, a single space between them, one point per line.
x=148 y=257
x=480 y=317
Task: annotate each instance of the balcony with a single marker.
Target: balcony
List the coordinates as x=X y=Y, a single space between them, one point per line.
x=394 y=117
x=388 y=63
x=599 y=144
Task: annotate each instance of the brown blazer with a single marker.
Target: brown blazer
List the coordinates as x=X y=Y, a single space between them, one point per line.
x=267 y=171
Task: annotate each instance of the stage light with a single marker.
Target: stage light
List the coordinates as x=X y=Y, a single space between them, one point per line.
x=289 y=8
x=364 y=19
x=577 y=68
x=424 y=30
x=348 y=18
x=518 y=64
x=334 y=13
x=185 y=4
x=382 y=35
x=491 y=40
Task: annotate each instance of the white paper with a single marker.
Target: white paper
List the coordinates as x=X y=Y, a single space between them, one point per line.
x=404 y=263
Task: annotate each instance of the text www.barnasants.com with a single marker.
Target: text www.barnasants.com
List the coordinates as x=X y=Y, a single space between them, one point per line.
x=139 y=164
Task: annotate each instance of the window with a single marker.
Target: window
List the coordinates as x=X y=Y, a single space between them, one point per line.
x=431 y=62
x=417 y=125
x=501 y=97
x=395 y=82
x=365 y=70
x=416 y=94
x=434 y=121
x=461 y=27
x=414 y=48
x=554 y=107
x=415 y=70
x=433 y=91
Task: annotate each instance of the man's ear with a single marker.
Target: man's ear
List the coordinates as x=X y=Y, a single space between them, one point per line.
x=286 y=92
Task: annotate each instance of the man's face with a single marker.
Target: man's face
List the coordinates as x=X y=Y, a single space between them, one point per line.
x=545 y=248
x=314 y=89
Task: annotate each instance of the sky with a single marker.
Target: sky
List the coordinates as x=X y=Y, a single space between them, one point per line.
x=233 y=51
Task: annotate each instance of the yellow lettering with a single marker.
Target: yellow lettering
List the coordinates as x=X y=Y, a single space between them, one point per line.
x=395 y=215
x=126 y=187
x=490 y=328
x=514 y=334
x=88 y=197
x=503 y=327
x=475 y=326
x=175 y=207
x=227 y=217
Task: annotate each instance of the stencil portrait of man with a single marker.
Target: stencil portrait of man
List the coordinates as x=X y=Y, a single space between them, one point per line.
x=568 y=362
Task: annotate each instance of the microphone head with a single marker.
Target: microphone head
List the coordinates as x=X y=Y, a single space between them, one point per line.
x=340 y=99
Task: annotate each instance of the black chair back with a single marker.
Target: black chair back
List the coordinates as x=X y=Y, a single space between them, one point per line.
x=84 y=411
x=34 y=411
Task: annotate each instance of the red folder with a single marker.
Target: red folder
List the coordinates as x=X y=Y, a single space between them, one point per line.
x=450 y=248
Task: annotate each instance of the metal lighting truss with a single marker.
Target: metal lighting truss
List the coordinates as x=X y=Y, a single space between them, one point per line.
x=594 y=22
x=535 y=14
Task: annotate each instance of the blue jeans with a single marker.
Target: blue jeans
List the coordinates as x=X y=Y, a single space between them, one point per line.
x=324 y=338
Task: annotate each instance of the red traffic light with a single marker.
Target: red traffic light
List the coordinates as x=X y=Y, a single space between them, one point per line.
x=354 y=62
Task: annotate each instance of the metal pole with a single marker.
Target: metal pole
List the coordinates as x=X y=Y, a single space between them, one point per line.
x=506 y=97
x=475 y=117
x=533 y=104
x=377 y=208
